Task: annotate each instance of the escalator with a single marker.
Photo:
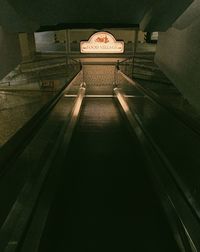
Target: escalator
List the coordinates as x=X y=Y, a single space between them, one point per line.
x=105 y=200
x=98 y=181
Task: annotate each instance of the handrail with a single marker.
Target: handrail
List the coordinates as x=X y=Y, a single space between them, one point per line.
x=130 y=58
x=36 y=65
x=185 y=119
x=75 y=113
x=121 y=62
x=12 y=233
x=15 y=145
x=5 y=82
x=77 y=61
x=189 y=229
x=155 y=98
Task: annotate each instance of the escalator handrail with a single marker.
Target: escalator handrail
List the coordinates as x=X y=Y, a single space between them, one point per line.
x=188 y=121
x=17 y=143
x=142 y=133
x=15 y=226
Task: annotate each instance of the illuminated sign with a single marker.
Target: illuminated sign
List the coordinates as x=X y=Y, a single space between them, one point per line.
x=102 y=42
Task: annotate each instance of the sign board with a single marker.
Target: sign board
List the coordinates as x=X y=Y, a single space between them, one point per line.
x=102 y=42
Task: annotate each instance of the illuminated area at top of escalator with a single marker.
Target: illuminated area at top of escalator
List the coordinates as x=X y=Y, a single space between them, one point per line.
x=102 y=42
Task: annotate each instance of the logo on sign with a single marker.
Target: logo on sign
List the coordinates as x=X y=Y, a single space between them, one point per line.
x=102 y=42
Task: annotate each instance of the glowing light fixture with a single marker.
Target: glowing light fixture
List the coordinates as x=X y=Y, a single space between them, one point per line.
x=102 y=42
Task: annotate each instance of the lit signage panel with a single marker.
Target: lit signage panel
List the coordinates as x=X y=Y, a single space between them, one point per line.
x=102 y=42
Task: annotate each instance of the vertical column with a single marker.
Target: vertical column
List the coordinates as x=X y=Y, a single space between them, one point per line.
x=134 y=49
x=9 y=52
x=27 y=45
x=67 y=44
x=135 y=42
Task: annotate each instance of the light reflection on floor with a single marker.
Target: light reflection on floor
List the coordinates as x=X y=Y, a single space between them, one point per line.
x=16 y=109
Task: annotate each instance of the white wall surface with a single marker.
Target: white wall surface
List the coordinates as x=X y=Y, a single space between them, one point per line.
x=178 y=56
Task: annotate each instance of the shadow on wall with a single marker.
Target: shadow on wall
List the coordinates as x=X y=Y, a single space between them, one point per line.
x=178 y=56
x=10 y=55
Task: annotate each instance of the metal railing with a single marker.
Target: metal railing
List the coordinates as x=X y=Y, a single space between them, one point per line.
x=126 y=66
x=43 y=72
x=12 y=232
x=7 y=83
x=183 y=216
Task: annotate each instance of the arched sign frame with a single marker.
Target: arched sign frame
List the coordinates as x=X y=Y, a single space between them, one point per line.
x=102 y=42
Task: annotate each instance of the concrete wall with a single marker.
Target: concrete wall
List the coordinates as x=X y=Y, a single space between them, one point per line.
x=44 y=37
x=141 y=37
x=10 y=55
x=83 y=34
x=178 y=56
x=162 y=14
x=126 y=35
x=45 y=41
x=27 y=46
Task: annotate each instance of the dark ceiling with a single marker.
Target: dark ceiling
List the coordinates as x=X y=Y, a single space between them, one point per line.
x=31 y=15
